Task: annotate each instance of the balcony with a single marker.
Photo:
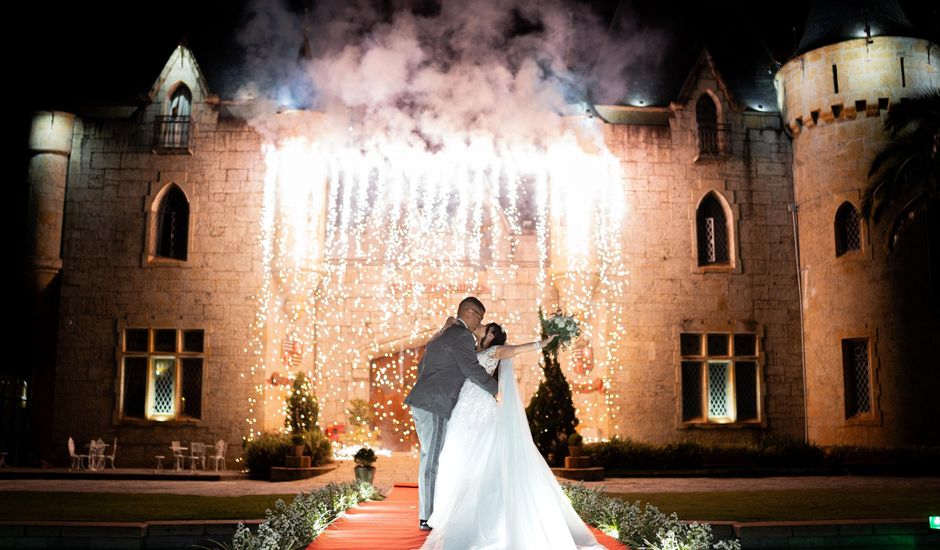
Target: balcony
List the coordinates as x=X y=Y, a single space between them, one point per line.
x=713 y=140
x=172 y=135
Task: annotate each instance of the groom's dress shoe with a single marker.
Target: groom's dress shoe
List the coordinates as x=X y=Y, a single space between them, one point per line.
x=423 y=525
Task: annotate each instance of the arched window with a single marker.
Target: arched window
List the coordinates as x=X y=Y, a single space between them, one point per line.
x=848 y=229
x=180 y=101
x=173 y=129
x=171 y=228
x=712 y=230
x=706 y=116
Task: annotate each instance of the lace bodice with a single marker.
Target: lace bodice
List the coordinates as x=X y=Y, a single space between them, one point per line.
x=475 y=406
x=488 y=360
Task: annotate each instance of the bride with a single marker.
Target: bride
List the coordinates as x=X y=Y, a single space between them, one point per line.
x=494 y=491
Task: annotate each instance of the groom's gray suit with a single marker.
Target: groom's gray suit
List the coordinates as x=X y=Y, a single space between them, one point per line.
x=448 y=361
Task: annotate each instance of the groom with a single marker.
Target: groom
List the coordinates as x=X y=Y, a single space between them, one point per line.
x=449 y=359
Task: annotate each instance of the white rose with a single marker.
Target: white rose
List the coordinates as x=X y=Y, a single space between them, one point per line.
x=559 y=321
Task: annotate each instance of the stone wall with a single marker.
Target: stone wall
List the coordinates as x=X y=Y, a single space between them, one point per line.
x=669 y=291
x=109 y=281
x=858 y=294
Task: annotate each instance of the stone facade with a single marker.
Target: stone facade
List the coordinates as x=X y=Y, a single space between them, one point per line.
x=108 y=282
x=835 y=100
x=111 y=280
x=669 y=293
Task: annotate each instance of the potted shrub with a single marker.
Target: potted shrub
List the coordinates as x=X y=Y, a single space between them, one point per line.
x=299 y=444
x=574 y=444
x=364 y=458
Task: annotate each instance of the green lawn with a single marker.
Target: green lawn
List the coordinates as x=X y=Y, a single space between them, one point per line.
x=131 y=507
x=808 y=504
x=803 y=504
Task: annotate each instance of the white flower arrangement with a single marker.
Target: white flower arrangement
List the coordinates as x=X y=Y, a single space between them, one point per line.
x=565 y=326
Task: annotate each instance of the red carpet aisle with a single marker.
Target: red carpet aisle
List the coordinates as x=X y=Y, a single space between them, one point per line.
x=391 y=524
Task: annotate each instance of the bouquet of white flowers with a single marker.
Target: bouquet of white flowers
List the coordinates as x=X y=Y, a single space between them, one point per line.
x=565 y=326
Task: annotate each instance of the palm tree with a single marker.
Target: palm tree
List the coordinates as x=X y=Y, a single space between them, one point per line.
x=905 y=176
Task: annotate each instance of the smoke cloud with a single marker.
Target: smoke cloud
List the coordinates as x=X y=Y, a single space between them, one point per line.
x=427 y=74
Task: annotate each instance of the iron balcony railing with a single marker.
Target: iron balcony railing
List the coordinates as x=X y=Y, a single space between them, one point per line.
x=714 y=139
x=172 y=133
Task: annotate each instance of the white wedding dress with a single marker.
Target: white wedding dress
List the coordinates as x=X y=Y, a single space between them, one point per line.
x=494 y=490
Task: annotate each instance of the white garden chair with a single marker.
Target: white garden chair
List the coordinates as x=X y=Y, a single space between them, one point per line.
x=197 y=453
x=218 y=458
x=177 y=455
x=96 y=455
x=110 y=457
x=77 y=459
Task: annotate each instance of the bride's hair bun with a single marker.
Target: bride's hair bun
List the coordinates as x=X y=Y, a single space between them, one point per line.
x=499 y=335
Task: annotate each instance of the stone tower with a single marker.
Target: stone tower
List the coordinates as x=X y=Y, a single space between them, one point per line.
x=867 y=320
x=50 y=144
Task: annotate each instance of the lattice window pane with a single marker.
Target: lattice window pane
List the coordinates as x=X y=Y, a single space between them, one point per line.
x=712 y=232
x=853 y=232
x=857 y=377
x=135 y=386
x=719 y=399
x=191 y=388
x=745 y=390
x=193 y=341
x=690 y=344
x=164 y=340
x=721 y=241
x=745 y=345
x=136 y=340
x=710 y=240
x=848 y=229
x=718 y=345
x=691 y=390
x=163 y=398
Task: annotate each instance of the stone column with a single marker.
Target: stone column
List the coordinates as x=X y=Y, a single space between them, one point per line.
x=50 y=144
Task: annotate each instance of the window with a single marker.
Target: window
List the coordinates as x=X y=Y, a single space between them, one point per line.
x=848 y=229
x=172 y=131
x=162 y=373
x=719 y=377
x=857 y=377
x=713 y=138
x=712 y=230
x=171 y=225
x=15 y=407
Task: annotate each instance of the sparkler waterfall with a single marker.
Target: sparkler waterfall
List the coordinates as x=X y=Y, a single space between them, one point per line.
x=414 y=183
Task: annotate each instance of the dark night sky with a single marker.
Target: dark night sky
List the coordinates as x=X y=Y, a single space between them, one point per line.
x=102 y=50
x=122 y=46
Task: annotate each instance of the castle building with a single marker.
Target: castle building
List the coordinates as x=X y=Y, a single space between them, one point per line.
x=754 y=302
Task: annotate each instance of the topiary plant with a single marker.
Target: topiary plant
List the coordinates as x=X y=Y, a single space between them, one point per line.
x=551 y=412
x=302 y=407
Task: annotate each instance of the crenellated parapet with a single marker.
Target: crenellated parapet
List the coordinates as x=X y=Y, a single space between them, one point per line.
x=855 y=79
